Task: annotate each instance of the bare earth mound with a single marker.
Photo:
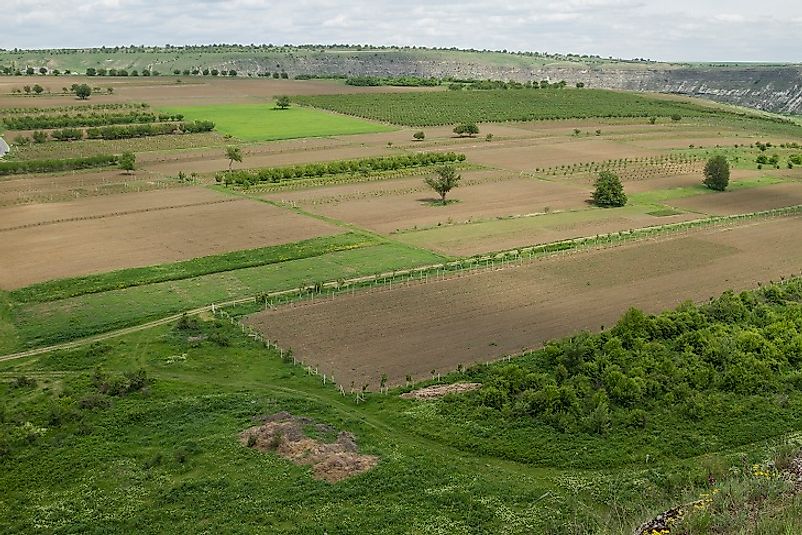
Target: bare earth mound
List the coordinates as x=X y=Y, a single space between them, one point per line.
x=438 y=391
x=285 y=434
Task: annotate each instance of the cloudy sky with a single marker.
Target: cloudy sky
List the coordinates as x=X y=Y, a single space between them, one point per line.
x=691 y=30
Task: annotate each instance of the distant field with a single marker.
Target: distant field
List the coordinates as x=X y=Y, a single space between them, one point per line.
x=437 y=108
x=262 y=122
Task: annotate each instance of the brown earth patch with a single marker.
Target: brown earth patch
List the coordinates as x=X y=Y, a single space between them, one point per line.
x=743 y=201
x=550 y=153
x=139 y=229
x=330 y=461
x=406 y=203
x=438 y=391
x=412 y=329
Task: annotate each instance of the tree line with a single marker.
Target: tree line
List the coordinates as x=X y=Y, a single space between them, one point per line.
x=48 y=166
x=361 y=165
x=33 y=122
x=123 y=131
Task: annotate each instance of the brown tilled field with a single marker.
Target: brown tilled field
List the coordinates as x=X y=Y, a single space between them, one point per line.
x=745 y=200
x=481 y=316
x=179 y=90
x=51 y=241
x=405 y=203
x=529 y=155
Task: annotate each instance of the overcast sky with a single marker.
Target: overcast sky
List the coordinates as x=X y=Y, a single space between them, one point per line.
x=690 y=30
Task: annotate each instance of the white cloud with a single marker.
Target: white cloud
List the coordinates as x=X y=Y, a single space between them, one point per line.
x=716 y=30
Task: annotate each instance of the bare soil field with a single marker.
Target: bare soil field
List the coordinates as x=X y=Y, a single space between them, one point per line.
x=178 y=90
x=530 y=155
x=28 y=189
x=139 y=229
x=420 y=327
x=743 y=201
x=407 y=203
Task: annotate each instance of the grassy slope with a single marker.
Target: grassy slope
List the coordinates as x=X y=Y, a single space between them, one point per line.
x=262 y=122
x=119 y=468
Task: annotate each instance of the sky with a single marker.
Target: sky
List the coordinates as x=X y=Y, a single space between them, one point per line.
x=676 y=30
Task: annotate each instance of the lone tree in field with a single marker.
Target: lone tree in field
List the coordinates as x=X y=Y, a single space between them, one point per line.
x=466 y=129
x=83 y=91
x=234 y=154
x=283 y=102
x=127 y=162
x=609 y=191
x=419 y=136
x=446 y=180
x=717 y=173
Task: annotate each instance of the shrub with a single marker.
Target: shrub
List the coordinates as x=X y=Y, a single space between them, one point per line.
x=466 y=129
x=717 y=173
x=419 y=136
x=609 y=192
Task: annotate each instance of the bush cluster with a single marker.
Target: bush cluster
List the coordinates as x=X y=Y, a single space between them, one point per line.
x=362 y=165
x=683 y=361
x=48 y=166
x=31 y=122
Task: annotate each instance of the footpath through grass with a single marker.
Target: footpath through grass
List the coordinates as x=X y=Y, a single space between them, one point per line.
x=263 y=122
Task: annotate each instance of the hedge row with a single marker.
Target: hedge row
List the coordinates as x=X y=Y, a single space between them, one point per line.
x=362 y=165
x=31 y=122
x=48 y=166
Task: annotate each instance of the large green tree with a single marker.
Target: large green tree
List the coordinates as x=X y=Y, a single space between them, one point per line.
x=83 y=91
x=609 y=191
x=444 y=181
x=717 y=173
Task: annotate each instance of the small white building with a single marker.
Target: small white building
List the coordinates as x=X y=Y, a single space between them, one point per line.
x=3 y=147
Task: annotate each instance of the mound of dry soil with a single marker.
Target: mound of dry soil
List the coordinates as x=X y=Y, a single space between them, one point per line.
x=284 y=434
x=438 y=391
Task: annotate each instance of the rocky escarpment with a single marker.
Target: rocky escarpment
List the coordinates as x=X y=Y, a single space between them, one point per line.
x=776 y=89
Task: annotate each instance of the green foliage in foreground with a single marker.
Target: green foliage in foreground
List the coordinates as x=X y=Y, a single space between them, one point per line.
x=52 y=166
x=360 y=165
x=674 y=385
x=127 y=278
x=142 y=432
x=450 y=107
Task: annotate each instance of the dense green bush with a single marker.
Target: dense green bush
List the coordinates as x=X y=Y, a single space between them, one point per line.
x=609 y=192
x=717 y=173
x=739 y=346
x=362 y=165
x=30 y=122
x=49 y=166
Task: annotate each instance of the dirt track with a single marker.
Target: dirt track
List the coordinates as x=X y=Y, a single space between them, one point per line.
x=415 y=329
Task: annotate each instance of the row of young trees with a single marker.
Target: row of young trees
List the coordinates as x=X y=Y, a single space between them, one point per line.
x=123 y=131
x=48 y=166
x=362 y=165
x=36 y=122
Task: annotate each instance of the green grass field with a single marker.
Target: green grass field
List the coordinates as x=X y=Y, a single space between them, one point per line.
x=263 y=122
